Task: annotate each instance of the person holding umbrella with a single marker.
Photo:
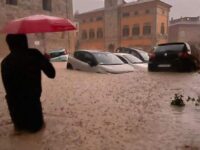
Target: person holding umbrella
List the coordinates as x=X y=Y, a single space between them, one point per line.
x=21 y=74
x=21 y=69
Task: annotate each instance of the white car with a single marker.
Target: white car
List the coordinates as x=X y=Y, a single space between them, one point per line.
x=58 y=55
x=132 y=60
x=97 y=61
x=139 y=53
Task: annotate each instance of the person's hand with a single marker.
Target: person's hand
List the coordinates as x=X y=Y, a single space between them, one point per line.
x=47 y=56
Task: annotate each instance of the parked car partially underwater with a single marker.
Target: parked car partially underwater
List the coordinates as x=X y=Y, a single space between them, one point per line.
x=173 y=56
x=58 y=55
x=132 y=60
x=142 y=55
x=97 y=61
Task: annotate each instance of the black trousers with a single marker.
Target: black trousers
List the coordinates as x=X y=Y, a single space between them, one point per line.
x=26 y=113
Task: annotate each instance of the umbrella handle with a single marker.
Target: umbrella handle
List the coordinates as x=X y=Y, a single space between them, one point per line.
x=44 y=43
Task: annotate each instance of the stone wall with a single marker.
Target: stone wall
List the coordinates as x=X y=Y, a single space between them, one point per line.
x=112 y=24
x=60 y=8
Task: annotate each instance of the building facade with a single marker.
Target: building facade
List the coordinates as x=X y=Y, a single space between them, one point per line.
x=12 y=9
x=185 y=29
x=143 y=24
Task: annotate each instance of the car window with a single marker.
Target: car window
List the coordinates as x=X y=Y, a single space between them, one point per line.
x=134 y=53
x=56 y=54
x=107 y=59
x=88 y=58
x=133 y=59
x=84 y=56
x=171 y=47
x=144 y=55
x=79 y=55
x=122 y=50
x=122 y=59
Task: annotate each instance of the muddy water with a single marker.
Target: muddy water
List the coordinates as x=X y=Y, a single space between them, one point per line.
x=88 y=111
x=182 y=122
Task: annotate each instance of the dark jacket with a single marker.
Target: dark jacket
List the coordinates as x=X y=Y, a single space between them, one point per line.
x=21 y=69
x=21 y=75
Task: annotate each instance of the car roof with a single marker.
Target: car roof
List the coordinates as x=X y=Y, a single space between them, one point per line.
x=126 y=54
x=133 y=49
x=56 y=51
x=91 y=51
x=172 y=43
x=121 y=54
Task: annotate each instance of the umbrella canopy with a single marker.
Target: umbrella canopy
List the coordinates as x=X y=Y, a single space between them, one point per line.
x=38 y=24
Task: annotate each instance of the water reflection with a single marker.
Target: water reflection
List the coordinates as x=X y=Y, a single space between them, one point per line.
x=189 y=116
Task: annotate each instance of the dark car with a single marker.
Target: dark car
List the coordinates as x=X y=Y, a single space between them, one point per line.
x=142 y=55
x=173 y=56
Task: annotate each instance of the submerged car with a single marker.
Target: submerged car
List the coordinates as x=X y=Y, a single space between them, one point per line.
x=173 y=56
x=97 y=61
x=142 y=55
x=132 y=60
x=58 y=55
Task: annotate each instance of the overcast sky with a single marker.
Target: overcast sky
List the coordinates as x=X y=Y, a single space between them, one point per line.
x=184 y=8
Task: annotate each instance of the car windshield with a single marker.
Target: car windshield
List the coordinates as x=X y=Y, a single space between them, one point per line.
x=144 y=55
x=172 y=47
x=107 y=59
x=56 y=54
x=133 y=59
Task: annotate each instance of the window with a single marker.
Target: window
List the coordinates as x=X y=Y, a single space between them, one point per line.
x=85 y=57
x=136 y=13
x=125 y=31
x=11 y=2
x=147 y=29
x=136 y=30
x=99 y=18
x=122 y=59
x=88 y=58
x=84 y=35
x=91 y=19
x=99 y=33
x=163 y=12
x=79 y=55
x=83 y=21
x=47 y=5
x=135 y=53
x=162 y=30
x=147 y=11
x=91 y=34
x=126 y=14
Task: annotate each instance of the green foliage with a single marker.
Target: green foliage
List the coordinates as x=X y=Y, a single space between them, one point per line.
x=179 y=100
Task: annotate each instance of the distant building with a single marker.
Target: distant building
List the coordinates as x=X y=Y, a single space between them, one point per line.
x=185 y=29
x=142 y=23
x=12 y=9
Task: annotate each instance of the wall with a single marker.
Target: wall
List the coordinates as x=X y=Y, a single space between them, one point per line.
x=60 y=8
x=85 y=24
x=185 y=33
x=114 y=21
x=162 y=17
x=142 y=41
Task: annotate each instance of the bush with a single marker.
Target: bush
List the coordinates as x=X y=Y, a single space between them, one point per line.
x=179 y=100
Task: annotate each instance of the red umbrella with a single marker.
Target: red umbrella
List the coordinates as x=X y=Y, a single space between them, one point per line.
x=38 y=24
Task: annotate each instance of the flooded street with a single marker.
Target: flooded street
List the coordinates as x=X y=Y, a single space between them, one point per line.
x=132 y=111
x=123 y=101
